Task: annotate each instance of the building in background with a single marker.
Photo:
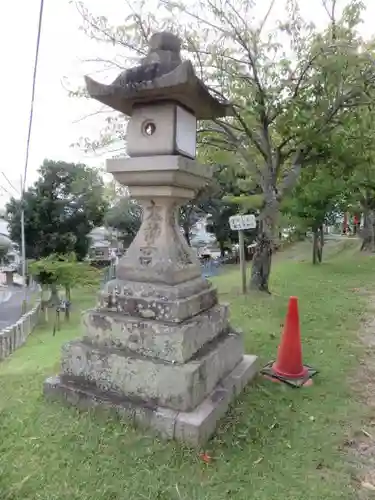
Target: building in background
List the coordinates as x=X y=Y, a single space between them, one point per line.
x=9 y=251
x=104 y=247
x=199 y=235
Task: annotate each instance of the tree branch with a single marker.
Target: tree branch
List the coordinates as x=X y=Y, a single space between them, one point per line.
x=331 y=15
x=107 y=34
x=104 y=61
x=265 y=19
x=251 y=135
x=95 y=113
x=197 y=54
x=251 y=57
x=183 y=9
x=291 y=177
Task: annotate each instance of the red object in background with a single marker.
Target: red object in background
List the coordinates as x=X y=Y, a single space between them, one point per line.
x=356 y=220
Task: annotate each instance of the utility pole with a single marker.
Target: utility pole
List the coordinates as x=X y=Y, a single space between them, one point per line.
x=240 y=223
x=23 y=180
x=23 y=250
x=241 y=242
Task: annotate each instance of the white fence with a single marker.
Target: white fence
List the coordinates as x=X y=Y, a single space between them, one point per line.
x=12 y=337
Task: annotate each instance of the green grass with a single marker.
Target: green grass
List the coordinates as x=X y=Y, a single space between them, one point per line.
x=276 y=442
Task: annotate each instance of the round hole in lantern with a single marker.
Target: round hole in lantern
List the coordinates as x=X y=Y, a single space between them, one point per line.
x=148 y=128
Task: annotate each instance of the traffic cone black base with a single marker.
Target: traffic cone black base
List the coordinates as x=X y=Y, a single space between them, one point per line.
x=269 y=373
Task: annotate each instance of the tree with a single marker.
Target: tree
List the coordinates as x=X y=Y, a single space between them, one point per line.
x=348 y=171
x=126 y=217
x=218 y=223
x=314 y=198
x=360 y=192
x=323 y=183
x=3 y=253
x=362 y=195
x=188 y=215
x=60 y=210
x=63 y=270
x=226 y=199
x=341 y=179
x=282 y=101
x=195 y=209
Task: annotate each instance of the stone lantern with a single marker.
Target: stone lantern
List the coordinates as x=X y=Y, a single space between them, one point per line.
x=158 y=348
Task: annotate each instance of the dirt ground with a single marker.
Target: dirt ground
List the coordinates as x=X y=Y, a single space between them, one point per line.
x=361 y=443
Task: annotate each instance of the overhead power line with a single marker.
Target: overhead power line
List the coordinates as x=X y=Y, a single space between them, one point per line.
x=4 y=190
x=10 y=184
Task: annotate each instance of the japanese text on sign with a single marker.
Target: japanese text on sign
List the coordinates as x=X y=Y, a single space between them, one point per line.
x=242 y=222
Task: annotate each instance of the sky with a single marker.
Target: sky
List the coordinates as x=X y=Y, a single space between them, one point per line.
x=59 y=119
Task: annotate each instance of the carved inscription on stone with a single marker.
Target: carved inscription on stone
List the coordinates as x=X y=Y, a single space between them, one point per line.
x=146 y=253
x=152 y=223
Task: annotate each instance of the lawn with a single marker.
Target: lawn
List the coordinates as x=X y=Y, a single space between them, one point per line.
x=276 y=442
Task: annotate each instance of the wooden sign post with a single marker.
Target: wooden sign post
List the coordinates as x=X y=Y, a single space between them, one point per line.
x=240 y=223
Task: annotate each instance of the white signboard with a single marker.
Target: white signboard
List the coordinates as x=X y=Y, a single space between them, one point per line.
x=186 y=133
x=242 y=222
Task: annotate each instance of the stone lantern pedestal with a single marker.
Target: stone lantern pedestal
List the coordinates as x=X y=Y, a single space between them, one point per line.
x=158 y=348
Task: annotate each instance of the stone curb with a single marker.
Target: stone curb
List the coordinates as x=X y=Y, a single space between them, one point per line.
x=12 y=337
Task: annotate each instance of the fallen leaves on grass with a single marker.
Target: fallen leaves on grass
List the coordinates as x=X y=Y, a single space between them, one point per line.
x=206 y=458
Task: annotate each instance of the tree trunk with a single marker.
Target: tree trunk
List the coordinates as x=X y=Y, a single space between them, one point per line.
x=318 y=242
x=222 y=248
x=67 y=305
x=261 y=267
x=315 y=247
x=54 y=299
x=262 y=258
x=368 y=234
x=187 y=234
x=345 y=224
x=365 y=230
x=372 y=231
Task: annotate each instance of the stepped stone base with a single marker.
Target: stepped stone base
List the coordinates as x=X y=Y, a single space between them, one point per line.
x=162 y=357
x=192 y=427
x=171 y=304
x=155 y=339
x=178 y=386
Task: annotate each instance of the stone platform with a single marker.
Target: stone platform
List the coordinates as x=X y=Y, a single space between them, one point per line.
x=193 y=427
x=165 y=357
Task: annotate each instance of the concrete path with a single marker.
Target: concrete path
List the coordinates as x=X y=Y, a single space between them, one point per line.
x=10 y=305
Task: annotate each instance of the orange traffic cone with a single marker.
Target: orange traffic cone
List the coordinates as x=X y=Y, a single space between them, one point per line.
x=288 y=367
